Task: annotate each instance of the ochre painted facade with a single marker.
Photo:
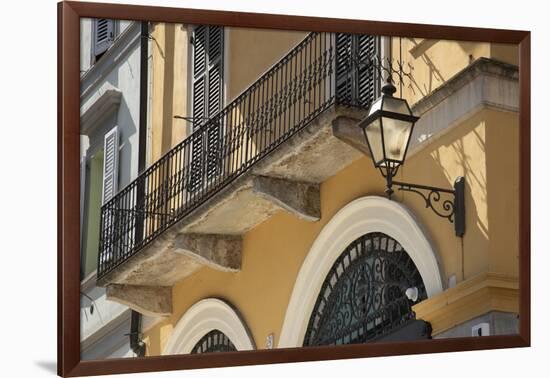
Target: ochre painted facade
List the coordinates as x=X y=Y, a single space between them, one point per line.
x=251 y=52
x=170 y=80
x=483 y=148
x=431 y=63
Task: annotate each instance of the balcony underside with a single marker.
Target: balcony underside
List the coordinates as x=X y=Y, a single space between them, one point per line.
x=286 y=180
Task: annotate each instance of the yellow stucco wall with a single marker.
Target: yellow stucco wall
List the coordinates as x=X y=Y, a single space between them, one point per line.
x=243 y=67
x=434 y=62
x=485 y=148
x=169 y=53
x=250 y=52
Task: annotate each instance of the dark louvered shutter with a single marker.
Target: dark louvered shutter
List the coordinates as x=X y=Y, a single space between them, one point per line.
x=200 y=72
x=367 y=78
x=103 y=34
x=356 y=79
x=215 y=99
x=207 y=101
x=199 y=104
x=344 y=68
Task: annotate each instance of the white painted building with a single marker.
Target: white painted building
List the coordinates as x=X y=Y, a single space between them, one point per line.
x=109 y=128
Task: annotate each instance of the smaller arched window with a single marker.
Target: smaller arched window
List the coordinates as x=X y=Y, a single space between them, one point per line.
x=210 y=325
x=214 y=341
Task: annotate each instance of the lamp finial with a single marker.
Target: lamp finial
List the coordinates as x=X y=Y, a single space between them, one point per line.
x=388 y=89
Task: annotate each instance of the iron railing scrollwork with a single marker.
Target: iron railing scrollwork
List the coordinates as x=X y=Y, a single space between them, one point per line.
x=286 y=98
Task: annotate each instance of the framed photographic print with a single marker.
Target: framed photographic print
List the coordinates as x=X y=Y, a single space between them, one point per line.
x=239 y=188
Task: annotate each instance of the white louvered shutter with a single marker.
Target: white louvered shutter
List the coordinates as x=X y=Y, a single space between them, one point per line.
x=82 y=192
x=104 y=34
x=110 y=165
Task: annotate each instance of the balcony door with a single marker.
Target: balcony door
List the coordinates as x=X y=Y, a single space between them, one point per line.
x=207 y=47
x=357 y=82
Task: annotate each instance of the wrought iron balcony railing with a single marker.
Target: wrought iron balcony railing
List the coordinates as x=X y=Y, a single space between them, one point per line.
x=324 y=69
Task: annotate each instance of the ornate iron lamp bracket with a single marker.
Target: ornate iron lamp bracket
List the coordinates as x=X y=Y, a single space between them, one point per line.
x=451 y=209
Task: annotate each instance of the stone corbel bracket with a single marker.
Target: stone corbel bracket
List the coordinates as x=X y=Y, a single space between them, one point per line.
x=220 y=252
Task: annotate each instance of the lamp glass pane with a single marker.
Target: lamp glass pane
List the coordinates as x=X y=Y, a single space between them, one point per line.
x=396 y=136
x=396 y=105
x=374 y=135
x=376 y=105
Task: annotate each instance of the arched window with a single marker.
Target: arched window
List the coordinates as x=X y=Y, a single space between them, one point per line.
x=214 y=341
x=367 y=295
x=210 y=325
x=362 y=216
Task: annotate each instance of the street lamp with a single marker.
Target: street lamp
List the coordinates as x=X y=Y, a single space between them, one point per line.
x=388 y=128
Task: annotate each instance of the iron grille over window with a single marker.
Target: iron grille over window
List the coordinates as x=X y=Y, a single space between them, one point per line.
x=323 y=70
x=214 y=341
x=363 y=296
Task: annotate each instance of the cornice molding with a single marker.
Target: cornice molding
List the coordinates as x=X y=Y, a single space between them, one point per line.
x=469 y=299
x=105 y=330
x=481 y=66
x=102 y=107
x=485 y=84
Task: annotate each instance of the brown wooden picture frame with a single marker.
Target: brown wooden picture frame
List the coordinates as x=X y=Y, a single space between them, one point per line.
x=69 y=13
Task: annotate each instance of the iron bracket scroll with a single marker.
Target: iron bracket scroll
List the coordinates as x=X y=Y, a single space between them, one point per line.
x=452 y=209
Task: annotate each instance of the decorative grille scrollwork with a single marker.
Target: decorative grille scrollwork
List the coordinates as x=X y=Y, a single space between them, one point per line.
x=363 y=296
x=214 y=341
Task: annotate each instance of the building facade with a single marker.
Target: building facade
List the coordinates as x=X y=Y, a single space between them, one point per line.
x=110 y=114
x=261 y=221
